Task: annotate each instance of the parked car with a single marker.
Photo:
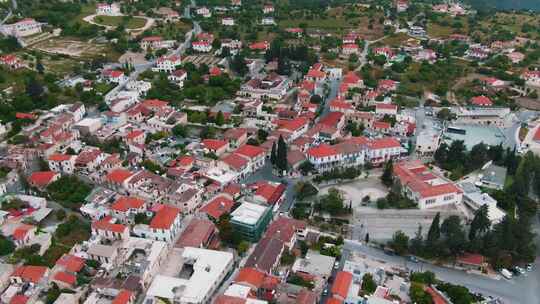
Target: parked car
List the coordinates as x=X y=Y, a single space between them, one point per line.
x=413 y=259
x=505 y=273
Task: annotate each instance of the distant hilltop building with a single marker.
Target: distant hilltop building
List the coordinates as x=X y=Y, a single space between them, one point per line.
x=22 y=28
x=107 y=9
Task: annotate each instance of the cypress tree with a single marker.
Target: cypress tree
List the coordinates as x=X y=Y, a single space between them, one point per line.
x=281 y=156
x=273 y=154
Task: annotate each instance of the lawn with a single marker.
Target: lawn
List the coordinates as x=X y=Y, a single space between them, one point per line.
x=394 y=40
x=131 y=23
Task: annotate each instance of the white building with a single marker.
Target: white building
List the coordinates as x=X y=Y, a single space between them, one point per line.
x=178 y=77
x=167 y=64
x=424 y=187
x=201 y=46
x=23 y=28
x=112 y=9
x=474 y=199
x=62 y=163
x=268 y=21
x=228 y=21
x=207 y=270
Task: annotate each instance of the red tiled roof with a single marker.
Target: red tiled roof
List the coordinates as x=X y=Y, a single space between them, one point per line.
x=214 y=144
x=217 y=207
x=60 y=157
x=481 y=101
x=341 y=284
x=197 y=233
x=313 y=73
x=165 y=217
x=224 y=299
x=250 y=276
x=333 y=301
x=322 y=150
x=351 y=78
x=134 y=134
x=331 y=119
x=233 y=189
x=235 y=161
x=536 y=136
x=250 y=151
x=18 y=299
x=65 y=277
x=340 y=104
x=30 y=273
x=382 y=125
x=42 y=178
x=21 y=115
x=71 y=262
x=384 y=143
x=118 y=175
x=21 y=231
x=386 y=106
x=152 y=38
x=284 y=228
x=271 y=193
x=435 y=296
x=472 y=259
x=185 y=161
x=106 y=224
x=125 y=203
x=350 y=46
x=154 y=103
x=293 y=124
x=259 y=45
x=123 y=297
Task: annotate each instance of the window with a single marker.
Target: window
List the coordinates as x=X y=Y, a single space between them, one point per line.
x=449 y=197
x=430 y=201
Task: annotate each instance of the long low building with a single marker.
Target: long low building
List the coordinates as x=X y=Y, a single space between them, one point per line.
x=425 y=188
x=355 y=152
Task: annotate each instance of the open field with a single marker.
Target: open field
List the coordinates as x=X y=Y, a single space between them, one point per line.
x=131 y=23
x=69 y=47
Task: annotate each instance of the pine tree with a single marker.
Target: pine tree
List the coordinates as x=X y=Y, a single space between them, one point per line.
x=480 y=223
x=367 y=238
x=281 y=155
x=273 y=155
x=434 y=233
x=220 y=119
x=386 y=177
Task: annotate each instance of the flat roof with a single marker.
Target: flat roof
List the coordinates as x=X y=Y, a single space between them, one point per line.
x=208 y=268
x=248 y=213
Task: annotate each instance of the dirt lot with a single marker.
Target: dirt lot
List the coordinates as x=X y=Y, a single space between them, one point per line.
x=68 y=47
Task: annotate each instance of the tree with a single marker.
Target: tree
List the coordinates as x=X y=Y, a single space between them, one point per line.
x=386 y=177
x=434 y=234
x=226 y=231
x=281 y=155
x=400 y=242
x=332 y=202
x=316 y=99
x=220 y=119
x=480 y=223
x=445 y=114
x=6 y=246
x=52 y=294
x=417 y=243
x=179 y=130
x=368 y=284
x=366 y=239
x=60 y=214
x=242 y=247
x=418 y=295
x=238 y=65
x=453 y=234
x=273 y=155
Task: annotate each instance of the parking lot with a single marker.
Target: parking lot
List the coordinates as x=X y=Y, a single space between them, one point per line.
x=382 y=224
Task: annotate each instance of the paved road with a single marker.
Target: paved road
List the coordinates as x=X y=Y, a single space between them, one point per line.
x=520 y=290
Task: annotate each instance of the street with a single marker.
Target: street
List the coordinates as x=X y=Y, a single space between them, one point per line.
x=523 y=289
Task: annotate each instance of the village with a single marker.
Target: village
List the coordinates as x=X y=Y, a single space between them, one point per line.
x=259 y=152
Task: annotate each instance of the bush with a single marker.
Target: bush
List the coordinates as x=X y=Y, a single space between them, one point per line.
x=69 y=191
